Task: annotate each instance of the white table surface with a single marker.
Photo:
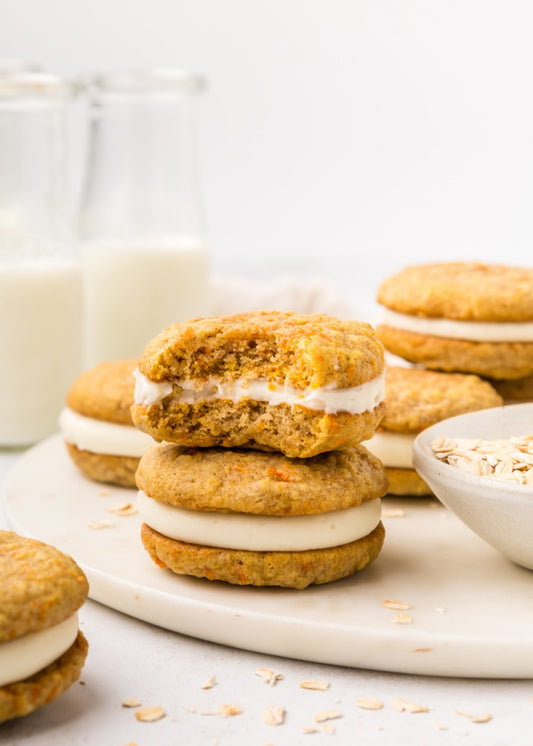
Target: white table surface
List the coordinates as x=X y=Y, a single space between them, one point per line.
x=129 y=658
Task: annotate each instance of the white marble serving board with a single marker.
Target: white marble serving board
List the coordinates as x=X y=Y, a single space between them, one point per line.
x=472 y=610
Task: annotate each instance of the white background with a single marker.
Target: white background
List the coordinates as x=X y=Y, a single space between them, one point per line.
x=338 y=138
x=341 y=139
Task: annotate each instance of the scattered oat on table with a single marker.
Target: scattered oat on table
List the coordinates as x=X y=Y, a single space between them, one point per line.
x=401 y=705
x=272 y=715
x=368 y=703
x=229 y=710
x=269 y=676
x=131 y=702
x=99 y=524
x=123 y=509
x=307 y=729
x=398 y=605
x=485 y=718
x=315 y=684
x=329 y=729
x=210 y=683
x=440 y=726
x=402 y=619
x=321 y=717
x=149 y=714
x=508 y=459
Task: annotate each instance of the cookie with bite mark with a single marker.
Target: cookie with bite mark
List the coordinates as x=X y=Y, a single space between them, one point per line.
x=294 y=383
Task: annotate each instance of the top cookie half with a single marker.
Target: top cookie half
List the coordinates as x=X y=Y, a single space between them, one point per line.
x=463 y=291
x=298 y=384
x=40 y=586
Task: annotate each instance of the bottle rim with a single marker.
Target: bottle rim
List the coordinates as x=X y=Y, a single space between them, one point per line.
x=132 y=82
x=18 y=65
x=36 y=85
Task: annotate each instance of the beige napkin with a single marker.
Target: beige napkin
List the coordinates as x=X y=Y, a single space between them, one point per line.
x=230 y=295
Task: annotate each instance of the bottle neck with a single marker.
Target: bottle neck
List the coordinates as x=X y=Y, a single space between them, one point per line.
x=34 y=215
x=141 y=177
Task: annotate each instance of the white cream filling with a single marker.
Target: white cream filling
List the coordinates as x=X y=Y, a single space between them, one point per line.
x=474 y=331
x=24 y=656
x=355 y=400
x=98 y=436
x=261 y=533
x=392 y=449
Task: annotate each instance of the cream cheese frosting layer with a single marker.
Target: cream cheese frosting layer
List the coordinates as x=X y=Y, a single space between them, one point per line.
x=98 y=436
x=26 y=655
x=355 y=400
x=392 y=449
x=473 y=331
x=260 y=533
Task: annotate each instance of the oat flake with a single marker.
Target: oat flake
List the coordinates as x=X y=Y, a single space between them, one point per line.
x=149 y=714
x=315 y=684
x=509 y=460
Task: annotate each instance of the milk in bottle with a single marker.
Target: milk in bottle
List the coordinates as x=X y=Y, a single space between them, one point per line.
x=40 y=278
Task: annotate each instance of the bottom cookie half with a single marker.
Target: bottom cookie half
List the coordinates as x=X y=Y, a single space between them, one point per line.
x=406 y=482
x=102 y=467
x=22 y=697
x=285 y=569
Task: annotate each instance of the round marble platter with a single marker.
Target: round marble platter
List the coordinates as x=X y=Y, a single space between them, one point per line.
x=470 y=609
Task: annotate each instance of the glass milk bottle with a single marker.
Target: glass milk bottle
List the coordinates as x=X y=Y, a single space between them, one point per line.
x=143 y=246
x=40 y=278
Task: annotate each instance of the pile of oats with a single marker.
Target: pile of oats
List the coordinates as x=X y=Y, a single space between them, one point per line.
x=509 y=460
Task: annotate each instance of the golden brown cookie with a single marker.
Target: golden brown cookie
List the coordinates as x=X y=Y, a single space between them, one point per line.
x=224 y=480
x=40 y=586
x=41 y=589
x=96 y=424
x=406 y=482
x=286 y=569
x=105 y=392
x=461 y=316
x=468 y=291
x=103 y=467
x=299 y=384
x=417 y=399
x=515 y=390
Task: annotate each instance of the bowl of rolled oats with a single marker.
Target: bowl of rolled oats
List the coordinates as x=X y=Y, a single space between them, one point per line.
x=480 y=466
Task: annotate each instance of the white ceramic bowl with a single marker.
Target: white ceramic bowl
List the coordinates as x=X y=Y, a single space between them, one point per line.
x=501 y=513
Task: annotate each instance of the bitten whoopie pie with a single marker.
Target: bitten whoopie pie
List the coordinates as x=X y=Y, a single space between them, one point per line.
x=461 y=316
x=42 y=650
x=255 y=518
x=97 y=426
x=416 y=399
x=293 y=383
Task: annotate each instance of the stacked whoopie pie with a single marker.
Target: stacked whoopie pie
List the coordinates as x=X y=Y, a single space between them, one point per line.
x=451 y=318
x=261 y=478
